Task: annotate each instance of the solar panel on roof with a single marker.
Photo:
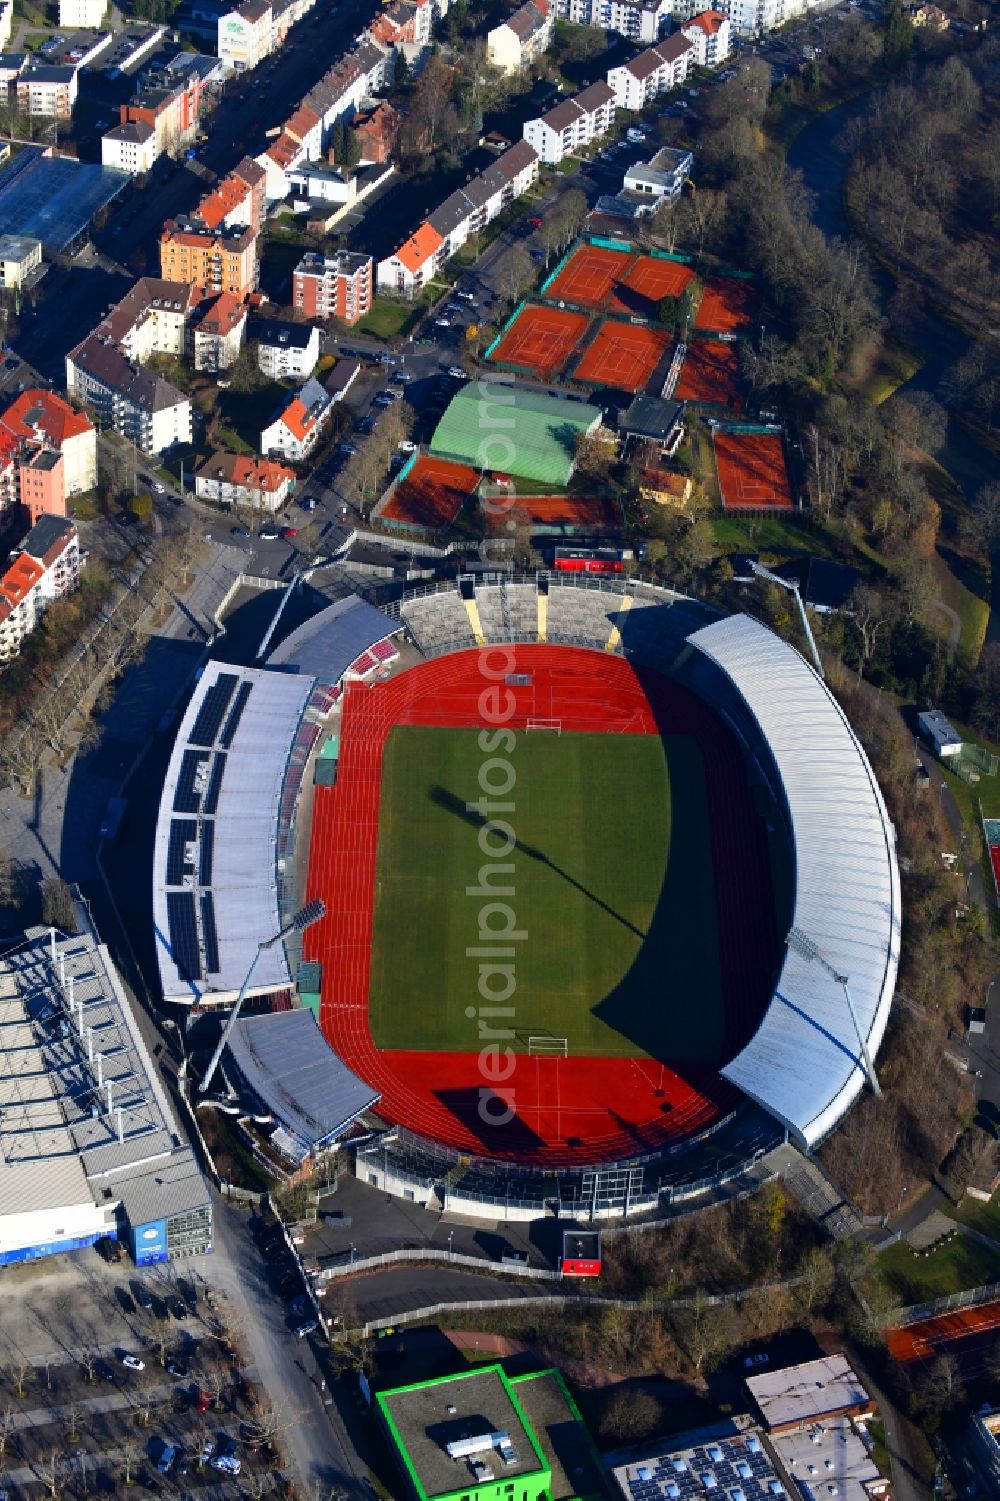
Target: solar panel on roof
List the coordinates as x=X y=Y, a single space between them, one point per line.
x=213 y=709
x=215 y=782
x=183 y=934
x=209 y=934
x=236 y=713
x=206 y=852
x=182 y=832
x=186 y=798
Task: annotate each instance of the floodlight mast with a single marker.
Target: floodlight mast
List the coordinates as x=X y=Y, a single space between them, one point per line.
x=804 y=946
x=304 y=918
x=793 y=588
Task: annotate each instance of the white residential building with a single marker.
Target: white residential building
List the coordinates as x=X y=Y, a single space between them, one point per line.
x=219 y=332
x=285 y=351
x=521 y=38
x=662 y=177
x=87 y=14
x=573 y=124
x=131 y=147
x=641 y=20
x=244 y=481
x=464 y=213
x=755 y=17
x=7 y=23
x=48 y=90
x=20 y=258
x=709 y=35
x=140 y=405
x=245 y=36
x=296 y=429
x=651 y=73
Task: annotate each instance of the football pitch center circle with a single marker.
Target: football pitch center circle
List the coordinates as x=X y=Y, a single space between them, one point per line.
x=551 y=914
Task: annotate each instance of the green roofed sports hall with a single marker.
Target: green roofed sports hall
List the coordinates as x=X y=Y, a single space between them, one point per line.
x=499 y=427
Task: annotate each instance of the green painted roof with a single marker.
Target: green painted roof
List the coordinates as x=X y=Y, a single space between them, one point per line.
x=494 y=425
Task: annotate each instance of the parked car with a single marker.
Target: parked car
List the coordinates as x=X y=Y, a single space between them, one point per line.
x=288 y=532
x=535 y=222
x=133 y=1363
x=268 y=534
x=403 y=376
x=240 y=531
x=308 y=503
x=103 y=1370
x=456 y=372
x=383 y=399
x=346 y=448
x=406 y=446
x=142 y=1294
x=165 y=1462
x=309 y=1327
x=203 y=1402
x=207 y=1450
x=227 y=1464
x=442 y=322
x=173 y=1369
x=466 y=296
x=538 y=255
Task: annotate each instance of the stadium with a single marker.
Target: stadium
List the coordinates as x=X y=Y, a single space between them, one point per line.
x=611 y=896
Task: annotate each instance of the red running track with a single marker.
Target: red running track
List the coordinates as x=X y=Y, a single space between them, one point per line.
x=570 y=1111
x=949 y=1333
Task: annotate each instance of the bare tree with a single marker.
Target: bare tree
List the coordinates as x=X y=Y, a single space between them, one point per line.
x=50 y=1474
x=8 y=1425
x=20 y=1373
x=870 y=615
x=130 y=1456
x=71 y=1414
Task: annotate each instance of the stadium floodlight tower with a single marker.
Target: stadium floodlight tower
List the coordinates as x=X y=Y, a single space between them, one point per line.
x=793 y=588
x=804 y=946
x=300 y=920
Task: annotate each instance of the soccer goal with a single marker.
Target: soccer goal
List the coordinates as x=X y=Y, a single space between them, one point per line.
x=545 y=724
x=548 y=1047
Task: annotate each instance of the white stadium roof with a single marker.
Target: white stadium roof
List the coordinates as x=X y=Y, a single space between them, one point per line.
x=215 y=878
x=804 y=1064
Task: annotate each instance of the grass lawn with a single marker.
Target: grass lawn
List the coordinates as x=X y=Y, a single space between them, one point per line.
x=767 y=534
x=978 y=1215
x=613 y=888
x=956 y=1265
x=388 y=319
x=973 y=612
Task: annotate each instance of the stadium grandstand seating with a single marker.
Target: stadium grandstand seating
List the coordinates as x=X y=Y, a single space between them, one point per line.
x=438 y=622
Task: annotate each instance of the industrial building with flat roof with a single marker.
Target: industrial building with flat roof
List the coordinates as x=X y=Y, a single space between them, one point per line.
x=817 y=1390
x=88 y=1144
x=482 y=1436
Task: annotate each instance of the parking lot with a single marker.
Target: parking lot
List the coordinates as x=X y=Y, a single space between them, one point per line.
x=112 y=1375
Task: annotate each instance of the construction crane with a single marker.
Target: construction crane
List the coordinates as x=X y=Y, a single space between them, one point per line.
x=793 y=588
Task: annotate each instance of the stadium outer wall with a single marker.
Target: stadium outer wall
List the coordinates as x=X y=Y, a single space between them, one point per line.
x=417 y=1168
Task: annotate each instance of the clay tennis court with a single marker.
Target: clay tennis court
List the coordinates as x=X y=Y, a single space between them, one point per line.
x=646 y=282
x=727 y=305
x=595 y=277
x=623 y=355
x=541 y=340
x=711 y=374
x=948 y=1333
x=589 y=276
x=752 y=473
x=431 y=495
x=567 y=512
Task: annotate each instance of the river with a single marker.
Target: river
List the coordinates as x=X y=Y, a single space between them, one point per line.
x=818 y=154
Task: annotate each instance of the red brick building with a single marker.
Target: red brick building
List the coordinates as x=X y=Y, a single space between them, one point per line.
x=338 y=287
x=376 y=131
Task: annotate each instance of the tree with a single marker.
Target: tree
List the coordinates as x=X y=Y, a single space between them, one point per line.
x=870 y=615
x=245 y=374
x=401 y=72
x=898 y=33
x=141 y=505
x=981 y=526
x=8 y=1425
x=628 y=1417
x=696 y=546
x=130 y=1455
x=706 y=1331
x=57 y=905
x=515 y=273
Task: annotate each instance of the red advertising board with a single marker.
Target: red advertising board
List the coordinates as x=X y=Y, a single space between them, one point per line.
x=580 y=1266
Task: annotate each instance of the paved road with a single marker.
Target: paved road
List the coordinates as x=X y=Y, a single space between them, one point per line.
x=317 y=1438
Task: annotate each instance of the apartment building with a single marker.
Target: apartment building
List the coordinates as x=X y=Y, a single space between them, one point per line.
x=245 y=36
x=218 y=260
x=239 y=201
x=45 y=567
x=338 y=286
x=219 y=333
x=521 y=38
x=285 y=351
x=752 y=18
x=152 y=318
x=464 y=212
x=661 y=178
x=49 y=90
x=572 y=124
x=20 y=259
x=296 y=428
x=130 y=147
x=709 y=33
x=39 y=421
x=170 y=108
x=649 y=74
x=640 y=20
x=232 y=480
x=138 y=404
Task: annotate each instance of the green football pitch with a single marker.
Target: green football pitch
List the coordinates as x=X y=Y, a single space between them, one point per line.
x=612 y=888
